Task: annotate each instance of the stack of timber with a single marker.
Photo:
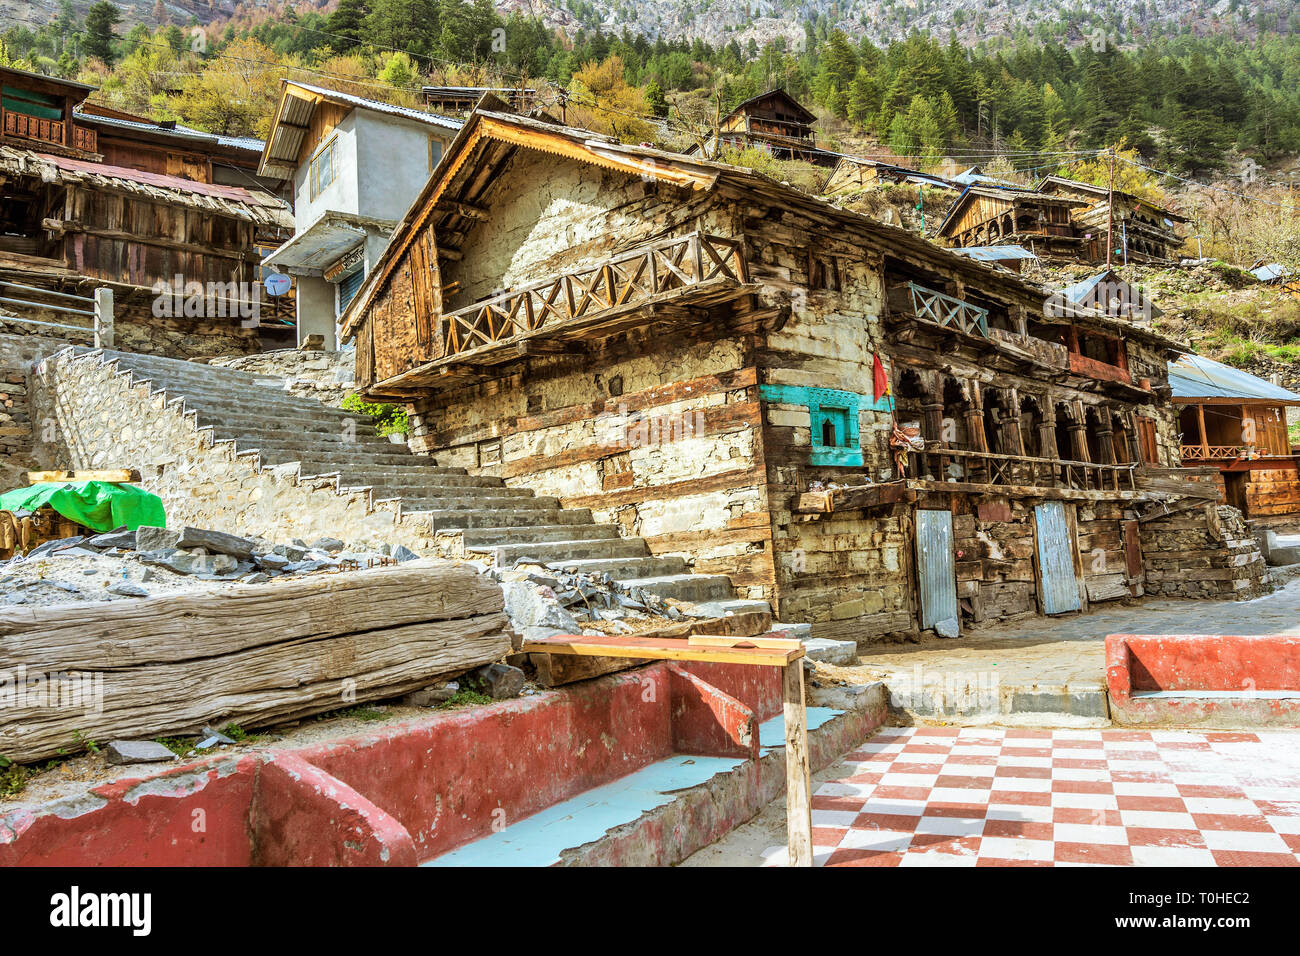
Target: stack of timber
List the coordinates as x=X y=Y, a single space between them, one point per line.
x=252 y=655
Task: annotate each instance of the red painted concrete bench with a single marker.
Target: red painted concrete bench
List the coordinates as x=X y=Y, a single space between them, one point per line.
x=1204 y=680
x=408 y=792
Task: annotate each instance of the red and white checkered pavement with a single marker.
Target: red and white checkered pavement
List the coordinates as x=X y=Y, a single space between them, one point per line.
x=941 y=796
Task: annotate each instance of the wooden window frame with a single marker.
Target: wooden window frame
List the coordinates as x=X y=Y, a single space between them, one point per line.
x=313 y=170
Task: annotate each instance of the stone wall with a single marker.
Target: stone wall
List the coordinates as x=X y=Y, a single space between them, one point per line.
x=104 y=420
x=137 y=329
x=561 y=215
x=661 y=440
x=1205 y=552
x=18 y=426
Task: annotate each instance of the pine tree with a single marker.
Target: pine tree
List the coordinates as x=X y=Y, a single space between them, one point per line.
x=348 y=24
x=100 y=20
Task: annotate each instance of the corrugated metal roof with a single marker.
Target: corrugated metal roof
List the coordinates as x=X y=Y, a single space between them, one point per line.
x=180 y=131
x=1194 y=376
x=994 y=253
x=1270 y=272
x=433 y=119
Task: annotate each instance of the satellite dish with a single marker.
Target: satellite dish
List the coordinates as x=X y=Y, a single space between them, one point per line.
x=277 y=283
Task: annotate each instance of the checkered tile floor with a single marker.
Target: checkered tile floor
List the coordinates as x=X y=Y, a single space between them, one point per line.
x=939 y=796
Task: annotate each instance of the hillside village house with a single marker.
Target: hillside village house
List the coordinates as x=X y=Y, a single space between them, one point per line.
x=776 y=122
x=1237 y=422
x=354 y=165
x=92 y=199
x=870 y=432
x=1065 y=219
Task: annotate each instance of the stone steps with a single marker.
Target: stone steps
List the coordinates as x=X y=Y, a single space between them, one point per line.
x=547 y=552
x=482 y=503
x=483 y=539
x=337 y=450
x=451 y=520
x=621 y=569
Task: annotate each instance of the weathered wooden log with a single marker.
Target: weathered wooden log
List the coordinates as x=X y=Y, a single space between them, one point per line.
x=251 y=655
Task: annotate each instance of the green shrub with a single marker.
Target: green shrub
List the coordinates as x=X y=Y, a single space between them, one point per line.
x=389 y=419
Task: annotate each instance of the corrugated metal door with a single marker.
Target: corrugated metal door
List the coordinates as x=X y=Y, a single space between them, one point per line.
x=935 y=573
x=1057 y=583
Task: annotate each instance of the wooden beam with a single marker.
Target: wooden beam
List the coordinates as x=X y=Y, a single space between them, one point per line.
x=854 y=498
x=798 y=781
x=463 y=209
x=117 y=476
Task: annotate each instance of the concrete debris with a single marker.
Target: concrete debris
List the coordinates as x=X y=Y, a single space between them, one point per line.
x=123 y=561
x=402 y=553
x=329 y=544
x=136 y=751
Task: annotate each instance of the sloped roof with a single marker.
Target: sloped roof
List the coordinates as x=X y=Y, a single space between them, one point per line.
x=1050 y=183
x=807 y=114
x=1194 y=377
x=486 y=128
x=235 y=201
x=994 y=253
x=178 y=131
x=1086 y=292
x=293 y=113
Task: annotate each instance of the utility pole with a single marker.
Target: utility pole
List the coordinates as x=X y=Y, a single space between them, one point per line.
x=1110 y=212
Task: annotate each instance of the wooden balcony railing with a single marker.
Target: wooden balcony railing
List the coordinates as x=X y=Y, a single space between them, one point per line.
x=84 y=138
x=1215 y=452
x=989 y=468
x=33 y=127
x=643 y=275
x=932 y=306
x=47 y=131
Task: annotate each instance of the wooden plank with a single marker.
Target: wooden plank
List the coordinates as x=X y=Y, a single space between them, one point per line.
x=118 y=476
x=660 y=649
x=720 y=640
x=195 y=659
x=798 y=781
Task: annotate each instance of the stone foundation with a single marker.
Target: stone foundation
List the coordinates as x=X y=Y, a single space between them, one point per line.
x=1206 y=552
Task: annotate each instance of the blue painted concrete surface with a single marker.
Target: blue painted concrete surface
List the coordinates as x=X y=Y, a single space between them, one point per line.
x=540 y=839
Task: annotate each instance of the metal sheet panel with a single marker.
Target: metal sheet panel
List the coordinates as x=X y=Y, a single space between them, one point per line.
x=1057 y=583
x=935 y=572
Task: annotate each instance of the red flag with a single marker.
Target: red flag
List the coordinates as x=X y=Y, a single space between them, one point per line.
x=881 y=382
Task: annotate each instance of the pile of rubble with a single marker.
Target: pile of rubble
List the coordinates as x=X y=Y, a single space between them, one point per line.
x=150 y=561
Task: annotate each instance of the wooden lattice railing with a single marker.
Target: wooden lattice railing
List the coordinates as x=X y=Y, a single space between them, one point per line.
x=947 y=311
x=1214 y=452
x=631 y=278
x=989 y=468
x=33 y=127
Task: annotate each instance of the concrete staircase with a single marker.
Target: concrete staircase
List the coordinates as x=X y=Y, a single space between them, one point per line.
x=455 y=514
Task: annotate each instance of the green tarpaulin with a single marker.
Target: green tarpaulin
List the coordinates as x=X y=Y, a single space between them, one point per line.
x=100 y=505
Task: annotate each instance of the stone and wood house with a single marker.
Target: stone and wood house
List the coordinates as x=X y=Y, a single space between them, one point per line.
x=91 y=199
x=1065 y=219
x=775 y=122
x=868 y=431
x=1237 y=422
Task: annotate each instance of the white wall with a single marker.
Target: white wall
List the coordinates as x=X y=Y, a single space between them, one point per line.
x=394 y=158
x=342 y=194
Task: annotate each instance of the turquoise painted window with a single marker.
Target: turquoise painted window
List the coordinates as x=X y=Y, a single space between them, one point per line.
x=833 y=416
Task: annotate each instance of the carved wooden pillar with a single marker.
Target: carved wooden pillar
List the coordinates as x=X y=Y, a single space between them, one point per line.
x=1078 y=433
x=1105 y=437
x=1047 y=430
x=1015 y=440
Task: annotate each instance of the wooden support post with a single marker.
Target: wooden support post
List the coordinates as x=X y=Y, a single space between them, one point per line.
x=798 y=783
x=103 y=318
